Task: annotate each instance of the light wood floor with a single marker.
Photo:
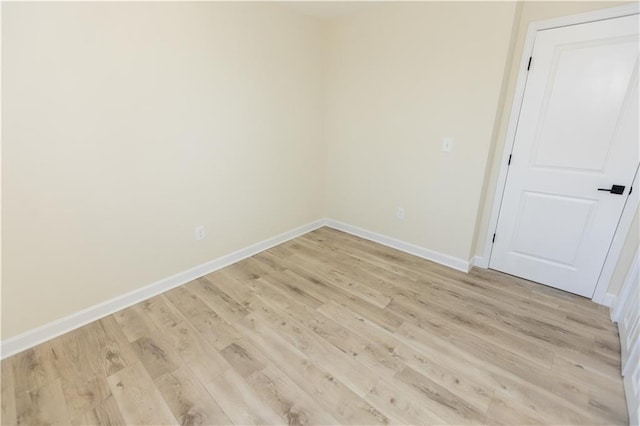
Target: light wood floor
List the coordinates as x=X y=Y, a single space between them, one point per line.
x=330 y=329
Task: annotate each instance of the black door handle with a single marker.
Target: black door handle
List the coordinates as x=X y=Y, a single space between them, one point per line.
x=615 y=189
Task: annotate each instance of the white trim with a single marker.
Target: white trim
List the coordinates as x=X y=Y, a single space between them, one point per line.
x=614 y=12
x=56 y=328
x=583 y=18
x=632 y=277
x=509 y=140
x=617 y=244
x=609 y=300
x=434 y=256
x=33 y=337
x=480 y=262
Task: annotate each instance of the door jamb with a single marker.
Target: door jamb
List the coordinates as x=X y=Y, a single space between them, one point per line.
x=600 y=294
x=622 y=230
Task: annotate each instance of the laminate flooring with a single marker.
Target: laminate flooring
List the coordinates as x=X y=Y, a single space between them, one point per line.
x=327 y=329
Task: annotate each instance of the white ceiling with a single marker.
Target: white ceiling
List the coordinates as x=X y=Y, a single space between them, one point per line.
x=328 y=9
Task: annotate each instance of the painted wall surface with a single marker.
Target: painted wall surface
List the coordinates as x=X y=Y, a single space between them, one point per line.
x=125 y=125
x=400 y=78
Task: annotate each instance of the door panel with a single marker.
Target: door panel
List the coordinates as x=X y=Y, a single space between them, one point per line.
x=563 y=134
x=540 y=237
x=577 y=132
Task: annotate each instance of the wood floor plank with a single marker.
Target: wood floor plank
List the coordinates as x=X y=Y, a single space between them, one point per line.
x=329 y=328
x=151 y=345
x=137 y=397
x=42 y=405
x=439 y=400
x=73 y=356
x=211 y=327
x=241 y=294
x=84 y=396
x=401 y=406
x=500 y=283
x=572 y=392
x=352 y=374
x=341 y=280
x=189 y=401
x=134 y=323
x=275 y=287
x=547 y=406
x=244 y=357
x=503 y=411
x=460 y=322
x=157 y=355
x=375 y=357
x=111 y=346
x=192 y=347
x=498 y=361
x=610 y=407
x=218 y=300
x=7 y=395
x=106 y=413
x=287 y=399
x=249 y=270
x=479 y=287
x=592 y=377
x=311 y=281
x=579 y=307
x=240 y=402
x=474 y=392
x=485 y=305
x=287 y=284
x=328 y=390
x=316 y=294
x=34 y=368
x=517 y=384
x=342 y=262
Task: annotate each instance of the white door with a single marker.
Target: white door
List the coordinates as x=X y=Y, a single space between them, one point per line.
x=577 y=133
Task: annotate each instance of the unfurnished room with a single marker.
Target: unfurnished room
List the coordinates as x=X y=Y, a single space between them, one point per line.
x=320 y=213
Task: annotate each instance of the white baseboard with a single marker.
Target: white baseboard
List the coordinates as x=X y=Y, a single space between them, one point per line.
x=30 y=338
x=480 y=262
x=443 y=259
x=56 y=328
x=609 y=300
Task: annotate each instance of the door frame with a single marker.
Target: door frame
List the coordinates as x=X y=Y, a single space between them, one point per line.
x=600 y=294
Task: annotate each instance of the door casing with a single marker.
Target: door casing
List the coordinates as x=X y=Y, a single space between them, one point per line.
x=600 y=296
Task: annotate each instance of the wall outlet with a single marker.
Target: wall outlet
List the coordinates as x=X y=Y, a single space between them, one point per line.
x=200 y=234
x=400 y=213
x=447 y=144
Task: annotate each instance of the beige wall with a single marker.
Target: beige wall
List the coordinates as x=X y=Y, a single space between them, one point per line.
x=125 y=125
x=402 y=76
